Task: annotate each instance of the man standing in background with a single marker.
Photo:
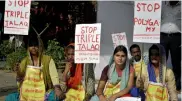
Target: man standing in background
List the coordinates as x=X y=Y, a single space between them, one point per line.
x=171 y=36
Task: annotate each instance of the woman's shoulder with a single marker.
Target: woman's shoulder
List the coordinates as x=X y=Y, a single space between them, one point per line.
x=106 y=68
x=169 y=72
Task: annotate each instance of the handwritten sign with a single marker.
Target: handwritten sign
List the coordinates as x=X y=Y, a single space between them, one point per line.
x=120 y=39
x=128 y=99
x=33 y=87
x=16 y=17
x=147 y=19
x=87 y=43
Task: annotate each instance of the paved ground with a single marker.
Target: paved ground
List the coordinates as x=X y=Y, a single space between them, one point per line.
x=7 y=83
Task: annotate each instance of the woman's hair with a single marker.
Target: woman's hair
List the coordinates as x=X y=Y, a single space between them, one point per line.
x=153 y=47
x=120 y=48
x=69 y=47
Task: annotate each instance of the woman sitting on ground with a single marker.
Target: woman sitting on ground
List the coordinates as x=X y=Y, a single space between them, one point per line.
x=117 y=78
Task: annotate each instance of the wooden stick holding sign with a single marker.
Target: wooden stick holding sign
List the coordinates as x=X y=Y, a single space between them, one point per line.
x=40 y=41
x=39 y=34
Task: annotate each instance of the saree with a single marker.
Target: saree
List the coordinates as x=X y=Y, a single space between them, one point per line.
x=115 y=83
x=85 y=89
x=157 y=90
x=81 y=84
x=26 y=79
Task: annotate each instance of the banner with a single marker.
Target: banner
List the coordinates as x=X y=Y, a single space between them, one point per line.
x=120 y=39
x=147 y=21
x=87 y=43
x=17 y=16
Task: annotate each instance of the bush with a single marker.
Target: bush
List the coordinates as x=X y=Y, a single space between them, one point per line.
x=55 y=51
x=15 y=57
x=6 y=48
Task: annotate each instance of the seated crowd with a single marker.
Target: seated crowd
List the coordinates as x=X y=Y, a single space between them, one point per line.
x=122 y=77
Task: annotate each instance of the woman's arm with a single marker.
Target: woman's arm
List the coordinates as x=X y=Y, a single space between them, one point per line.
x=66 y=70
x=55 y=79
x=101 y=85
x=100 y=88
x=171 y=85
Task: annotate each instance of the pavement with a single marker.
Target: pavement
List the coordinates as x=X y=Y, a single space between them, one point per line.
x=7 y=83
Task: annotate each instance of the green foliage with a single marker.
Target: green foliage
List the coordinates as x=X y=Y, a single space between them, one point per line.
x=55 y=51
x=6 y=48
x=15 y=57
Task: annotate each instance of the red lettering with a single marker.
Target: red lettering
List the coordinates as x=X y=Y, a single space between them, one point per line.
x=95 y=28
x=82 y=31
x=148 y=29
x=153 y=29
x=10 y=23
x=97 y=38
x=12 y=13
x=88 y=47
x=26 y=2
x=20 y=3
x=150 y=7
x=26 y=15
x=144 y=4
x=138 y=6
x=148 y=22
x=156 y=23
x=79 y=45
x=18 y=13
x=21 y=15
x=7 y=13
x=82 y=38
x=15 y=23
x=77 y=38
x=15 y=3
x=156 y=6
x=87 y=29
x=10 y=3
x=135 y=20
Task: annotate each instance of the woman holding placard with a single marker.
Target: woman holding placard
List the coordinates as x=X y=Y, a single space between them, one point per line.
x=37 y=77
x=117 y=78
x=78 y=79
x=157 y=81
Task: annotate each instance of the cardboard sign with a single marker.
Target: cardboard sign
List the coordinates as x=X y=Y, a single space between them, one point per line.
x=16 y=17
x=87 y=43
x=120 y=39
x=147 y=21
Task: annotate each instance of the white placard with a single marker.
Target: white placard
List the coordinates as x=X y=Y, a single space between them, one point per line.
x=87 y=43
x=128 y=99
x=147 y=21
x=120 y=39
x=17 y=16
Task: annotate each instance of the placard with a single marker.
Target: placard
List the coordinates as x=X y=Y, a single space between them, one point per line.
x=87 y=43
x=120 y=39
x=17 y=16
x=147 y=21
